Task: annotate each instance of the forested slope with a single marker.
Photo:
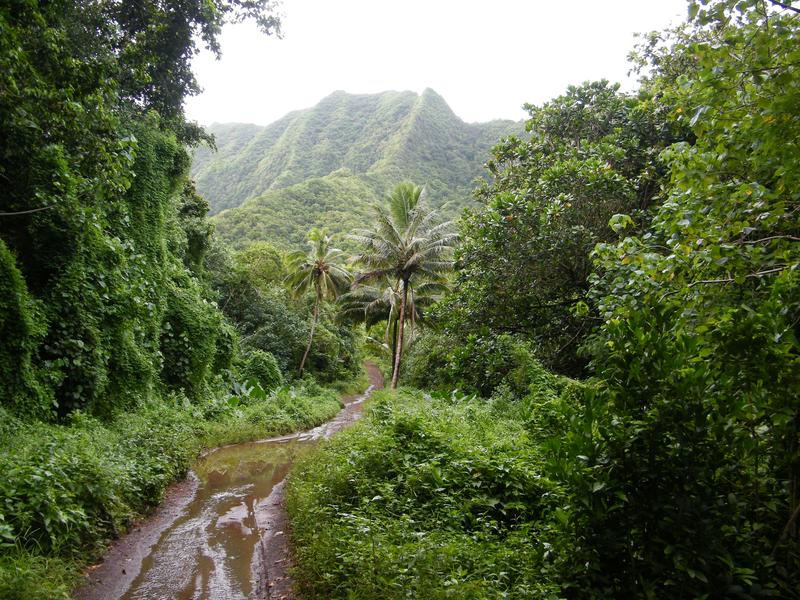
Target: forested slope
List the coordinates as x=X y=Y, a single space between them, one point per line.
x=373 y=140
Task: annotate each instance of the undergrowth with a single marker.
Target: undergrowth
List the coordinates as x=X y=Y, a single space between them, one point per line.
x=429 y=496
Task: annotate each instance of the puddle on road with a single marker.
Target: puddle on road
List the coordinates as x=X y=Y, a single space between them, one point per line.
x=212 y=550
x=218 y=531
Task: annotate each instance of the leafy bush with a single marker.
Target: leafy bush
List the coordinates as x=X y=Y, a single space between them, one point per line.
x=299 y=408
x=66 y=487
x=478 y=364
x=262 y=367
x=188 y=339
x=336 y=352
x=699 y=340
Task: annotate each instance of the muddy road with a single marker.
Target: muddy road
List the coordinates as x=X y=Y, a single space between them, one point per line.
x=221 y=534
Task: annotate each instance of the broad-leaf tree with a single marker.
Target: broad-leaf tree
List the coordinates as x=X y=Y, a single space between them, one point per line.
x=320 y=270
x=525 y=259
x=406 y=244
x=694 y=480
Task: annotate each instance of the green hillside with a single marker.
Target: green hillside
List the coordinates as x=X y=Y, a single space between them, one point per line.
x=325 y=165
x=339 y=202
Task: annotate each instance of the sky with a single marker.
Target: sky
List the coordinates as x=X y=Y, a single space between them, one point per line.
x=486 y=58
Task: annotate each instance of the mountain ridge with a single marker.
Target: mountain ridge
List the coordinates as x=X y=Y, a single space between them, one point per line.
x=378 y=139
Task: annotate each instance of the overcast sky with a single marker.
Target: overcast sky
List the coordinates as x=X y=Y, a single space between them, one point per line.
x=485 y=57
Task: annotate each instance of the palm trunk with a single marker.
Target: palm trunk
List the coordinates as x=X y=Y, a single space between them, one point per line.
x=401 y=323
x=311 y=337
x=394 y=340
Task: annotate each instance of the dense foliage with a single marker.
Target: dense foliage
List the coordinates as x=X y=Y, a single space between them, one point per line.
x=254 y=295
x=116 y=363
x=525 y=262
x=674 y=472
x=650 y=240
x=699 y=342
x=476 y=364
x=435 y=497
x=101 y=234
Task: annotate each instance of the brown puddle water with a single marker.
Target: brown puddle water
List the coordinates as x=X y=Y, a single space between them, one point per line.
x=213 y=544
x=212 y=549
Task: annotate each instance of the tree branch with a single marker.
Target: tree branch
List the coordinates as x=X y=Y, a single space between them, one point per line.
x=786 y=528
x=773 y=237
x=749 y=275
x=784 y=5
x=25 y=212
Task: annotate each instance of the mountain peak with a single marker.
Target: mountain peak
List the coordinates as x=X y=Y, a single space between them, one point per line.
x=360 y=144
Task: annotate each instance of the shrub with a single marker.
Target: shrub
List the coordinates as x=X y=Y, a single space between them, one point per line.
x=477 y=364
x=429 y=497
x=66 y=487
x=262 y=367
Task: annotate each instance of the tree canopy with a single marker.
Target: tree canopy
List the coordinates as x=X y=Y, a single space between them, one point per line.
x=525 y=261
x=102 y=235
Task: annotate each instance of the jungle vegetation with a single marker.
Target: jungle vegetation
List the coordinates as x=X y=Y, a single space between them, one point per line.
x=129 y=337
x=599 y=361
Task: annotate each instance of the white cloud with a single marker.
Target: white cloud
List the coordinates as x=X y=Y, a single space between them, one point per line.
x=485 y=58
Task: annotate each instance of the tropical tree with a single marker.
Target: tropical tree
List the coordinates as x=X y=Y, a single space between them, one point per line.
x=591 y=153
x=406 y=244
x=695 y=479
x=375 y=304
x=320 y=269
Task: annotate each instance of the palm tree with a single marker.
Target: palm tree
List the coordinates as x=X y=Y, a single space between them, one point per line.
x=374 y=304
x=405 y=245
x=319 y=269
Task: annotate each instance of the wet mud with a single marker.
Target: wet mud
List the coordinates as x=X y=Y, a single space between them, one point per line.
x=221 y=534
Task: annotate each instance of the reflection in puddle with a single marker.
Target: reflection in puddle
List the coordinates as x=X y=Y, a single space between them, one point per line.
x=212 y=550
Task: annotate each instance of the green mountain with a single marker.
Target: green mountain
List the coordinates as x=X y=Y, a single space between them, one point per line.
x=326 y=165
